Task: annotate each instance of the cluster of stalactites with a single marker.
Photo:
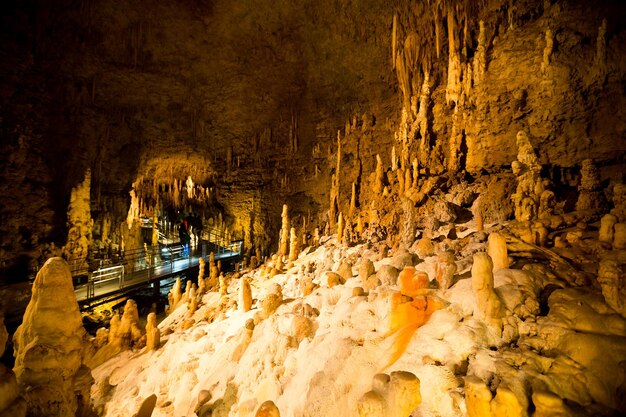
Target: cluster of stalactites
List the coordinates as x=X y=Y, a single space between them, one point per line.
x=148 y=197
x=416 y=61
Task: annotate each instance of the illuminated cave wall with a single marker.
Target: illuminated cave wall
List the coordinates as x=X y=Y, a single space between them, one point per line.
x=251 y=95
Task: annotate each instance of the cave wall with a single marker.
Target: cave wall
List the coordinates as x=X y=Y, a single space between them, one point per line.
x=251 y=97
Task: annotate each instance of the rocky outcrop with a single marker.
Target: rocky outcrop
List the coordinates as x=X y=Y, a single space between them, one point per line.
x=49 y=347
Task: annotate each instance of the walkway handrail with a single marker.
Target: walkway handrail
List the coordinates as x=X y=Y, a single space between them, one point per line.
x=146 y=264
x=102 y=275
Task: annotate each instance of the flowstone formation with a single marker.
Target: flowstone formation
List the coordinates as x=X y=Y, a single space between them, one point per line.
x=49 y=347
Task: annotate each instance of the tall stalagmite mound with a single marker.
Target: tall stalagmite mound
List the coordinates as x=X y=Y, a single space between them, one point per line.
x=49 y=347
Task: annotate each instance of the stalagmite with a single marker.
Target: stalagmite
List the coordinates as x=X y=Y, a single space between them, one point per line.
x=408 y=226
x=80 y=225
x=396 y=395
x=223 y=285
x=294 y=246
x=456 y=138
x=155 y=229
x=547 y=50
x=530 y=186
x=175 y=295
x=401 y=182
x=497 y=250
x=214 y=271
x=334 y=186
x=134 y=210
x=268 y=409
x=489 y=306
x=153 y=335
x=340 y=227
x=192 y=300
x=539 y=234
x=607 y=225
x=407 y=180
x=445 y=270
x=613 y=283
x=478 y=218
x=403 y=394
x=245 y=295
x=127 y=333
x=201 y=280
x=619 y=237
x=271 y=302
x=284 y=232
x=352 y=209
x=189 y=187
x=394 y=159
x=49 y=345
x=591 y=195
x=412 y=282
x=415 y=166
x=372 y=404
x=379 y=176
x=477 y=397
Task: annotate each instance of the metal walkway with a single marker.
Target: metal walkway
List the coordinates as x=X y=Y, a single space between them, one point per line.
x=144 y=267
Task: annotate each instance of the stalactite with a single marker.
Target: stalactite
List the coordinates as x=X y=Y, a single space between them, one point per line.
x=422 y=116
x=394 y=40
x=411 y=51
x=403 y=78
x=394 y=159
x=454 y=61
x=480 y=59
x=600 y=58
x=437 y=31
